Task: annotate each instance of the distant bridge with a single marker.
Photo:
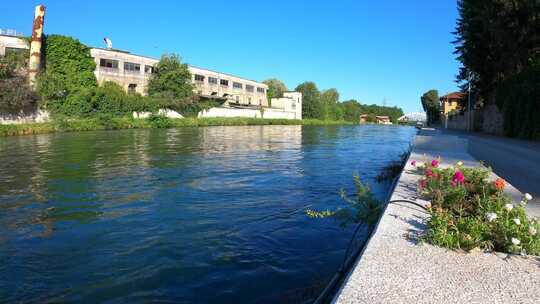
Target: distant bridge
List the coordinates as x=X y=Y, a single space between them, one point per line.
x=415 y=116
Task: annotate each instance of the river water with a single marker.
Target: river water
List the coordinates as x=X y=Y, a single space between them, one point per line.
x=190 y=215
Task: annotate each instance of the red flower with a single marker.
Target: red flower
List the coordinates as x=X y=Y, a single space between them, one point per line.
x=434 y=163
x=458 y=178
x=499 y=184
x=429 y=173
x=422 y=184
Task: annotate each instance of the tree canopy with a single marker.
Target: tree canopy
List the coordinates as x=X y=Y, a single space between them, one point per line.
x=431 y=105
x=311 y=106
x=497 y=43
x=171 y=78
x=326 y=105
x=276 y=88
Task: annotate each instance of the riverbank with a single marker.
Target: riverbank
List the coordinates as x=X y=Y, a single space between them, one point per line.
x=397 y=267
x=117 y=123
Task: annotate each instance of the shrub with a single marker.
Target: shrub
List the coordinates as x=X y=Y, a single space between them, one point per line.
x=110 y=98
x=469 y=211
x=160 y=122
x=16 y=96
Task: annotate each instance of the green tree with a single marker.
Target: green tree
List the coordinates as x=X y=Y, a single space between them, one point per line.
x=431 y=105
x=330 y=109
x=311 y=105
x=497 y=43
x=171 y=78
x=351 y=110
x=276 y=88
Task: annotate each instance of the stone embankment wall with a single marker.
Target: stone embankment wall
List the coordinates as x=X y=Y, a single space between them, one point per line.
x=489 y=120
x=252 y=113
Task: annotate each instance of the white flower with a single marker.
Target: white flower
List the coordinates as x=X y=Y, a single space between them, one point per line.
x=508 y=207
x=459 y=163
x=532 y=230
x=491 y=216
x=528 y=196
x=517 y=221
x=516 y=241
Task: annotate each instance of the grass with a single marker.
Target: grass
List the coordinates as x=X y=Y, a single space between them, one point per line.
x=116 y=123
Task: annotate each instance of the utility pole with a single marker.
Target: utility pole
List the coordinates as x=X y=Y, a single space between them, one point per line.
x=34 y=63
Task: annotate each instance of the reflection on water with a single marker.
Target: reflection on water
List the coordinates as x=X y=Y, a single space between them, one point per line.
x=187 y=215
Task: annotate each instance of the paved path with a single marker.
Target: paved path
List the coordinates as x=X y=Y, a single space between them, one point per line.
x=518 y=161
x=396 y=267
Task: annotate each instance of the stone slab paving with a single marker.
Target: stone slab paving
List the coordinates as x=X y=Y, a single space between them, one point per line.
x=396 y=267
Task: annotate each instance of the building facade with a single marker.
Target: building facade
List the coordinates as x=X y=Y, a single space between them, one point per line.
x=11 y=43
x=450 y=102
x=132 y=72
x=241 y=96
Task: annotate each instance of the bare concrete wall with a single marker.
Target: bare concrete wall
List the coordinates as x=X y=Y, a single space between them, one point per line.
x=24 y=117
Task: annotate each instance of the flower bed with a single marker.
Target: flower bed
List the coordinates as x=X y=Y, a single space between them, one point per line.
x=470 y=211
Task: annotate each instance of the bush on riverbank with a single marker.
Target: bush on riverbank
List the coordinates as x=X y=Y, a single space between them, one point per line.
x=469 y=211
x=109 y=122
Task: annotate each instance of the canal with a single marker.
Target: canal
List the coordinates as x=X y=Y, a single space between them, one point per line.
x=190 y=215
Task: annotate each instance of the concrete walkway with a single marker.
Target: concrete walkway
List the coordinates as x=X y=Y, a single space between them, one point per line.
x=396 y=267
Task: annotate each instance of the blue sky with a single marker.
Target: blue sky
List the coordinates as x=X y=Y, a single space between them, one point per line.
x=369 y=50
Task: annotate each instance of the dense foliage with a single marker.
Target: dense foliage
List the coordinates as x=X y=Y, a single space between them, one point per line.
x=431 y=105
x=497 y=43
x=172 y=78
x=109 y=122
x=15 y=93
x=326 y=105
x=16 y=96
x=69 y=71
x=311 y=106
x=470 y=211
x=68 y=86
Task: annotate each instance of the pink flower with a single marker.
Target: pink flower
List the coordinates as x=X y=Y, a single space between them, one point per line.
x=429 y=172
x=458 y=178
x=413 y=163
x=422 y=184
x=434 y=163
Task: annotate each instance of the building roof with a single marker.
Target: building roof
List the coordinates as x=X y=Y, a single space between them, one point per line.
x=453 y=95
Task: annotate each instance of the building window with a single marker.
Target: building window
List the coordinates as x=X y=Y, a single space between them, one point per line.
x=224 y=82
x=132 y=67
x=249 y=100
x=212 y=80
x=237 y=85
x=108 y=63
x=132 y=88
x=199 y=77
x=148 y=69
x=249 y=88
x=237 y=99
x=260 y=90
